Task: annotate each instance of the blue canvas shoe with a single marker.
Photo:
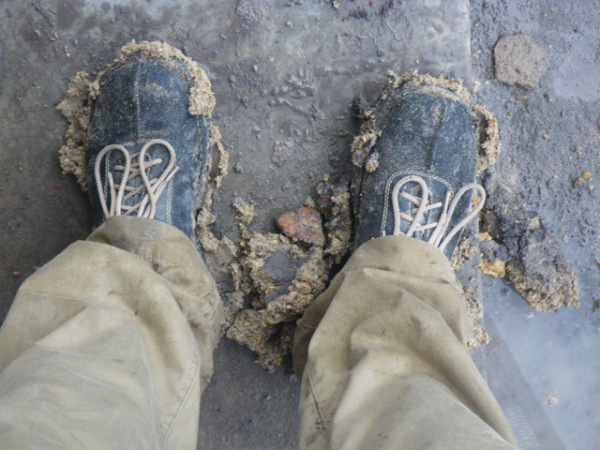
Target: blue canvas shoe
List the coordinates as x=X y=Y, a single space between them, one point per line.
x=425 y=179
x=147 y=156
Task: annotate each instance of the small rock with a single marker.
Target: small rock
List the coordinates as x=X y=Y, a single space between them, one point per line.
x=586 y=174
x=519 y=61
x=304 y=224
x=16 y=274
x=579 y=181
x=596 y=306
x=282 y=268
x=534 y=224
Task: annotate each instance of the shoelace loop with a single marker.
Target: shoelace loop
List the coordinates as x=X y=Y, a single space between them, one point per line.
x=440 y=228
x=119 y=195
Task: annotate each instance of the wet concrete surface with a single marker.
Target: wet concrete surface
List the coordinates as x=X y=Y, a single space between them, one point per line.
x=285 y=74
x=550 y=136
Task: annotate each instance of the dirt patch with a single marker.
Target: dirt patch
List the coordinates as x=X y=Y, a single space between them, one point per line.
x=280 y=280
x=519 y=61
x=75 y=107
x=523 y=250
x=466 y=264
x=268 y=280
x=489 y=138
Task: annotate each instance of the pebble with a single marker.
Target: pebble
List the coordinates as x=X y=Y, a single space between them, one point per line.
x=304 y=224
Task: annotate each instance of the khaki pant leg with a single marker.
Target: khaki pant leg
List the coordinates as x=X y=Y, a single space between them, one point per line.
x=97 y=350
x=387 y=365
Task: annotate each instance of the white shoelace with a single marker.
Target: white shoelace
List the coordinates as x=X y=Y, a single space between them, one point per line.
x=440 y=228
x=119 y=195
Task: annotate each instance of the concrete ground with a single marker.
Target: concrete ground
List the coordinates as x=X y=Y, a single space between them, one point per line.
x=285 y=73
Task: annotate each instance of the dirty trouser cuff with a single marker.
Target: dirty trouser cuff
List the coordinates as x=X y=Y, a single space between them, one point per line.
x=97 y=349
x=385 y=361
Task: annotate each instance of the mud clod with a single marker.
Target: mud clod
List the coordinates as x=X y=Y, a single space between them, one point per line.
x=534 y=263
x=489 y=138
x=545 y=288
x=578 y=182
x=75 y=108
x=268 y=280
x=280 y=279
x=496 y=268
x=519 y=61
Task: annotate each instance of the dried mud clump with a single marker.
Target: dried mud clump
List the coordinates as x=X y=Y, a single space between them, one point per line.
x=280 y=279
x=75 y=108
x=465 y=264
x=279 y=276
x=489 y=138
x=527 y=254
x=334 y=204
x=270 y=343
x=548 y=289
x=479 y=336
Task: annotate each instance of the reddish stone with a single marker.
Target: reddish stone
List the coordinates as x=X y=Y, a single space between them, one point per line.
x=304 y=224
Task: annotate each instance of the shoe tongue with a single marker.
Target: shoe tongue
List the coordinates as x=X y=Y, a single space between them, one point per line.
x=409 y=198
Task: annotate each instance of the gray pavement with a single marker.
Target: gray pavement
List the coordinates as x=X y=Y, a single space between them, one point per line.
x=284 y=75
x=550 y=136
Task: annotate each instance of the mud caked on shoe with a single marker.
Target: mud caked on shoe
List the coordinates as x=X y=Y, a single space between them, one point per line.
x=147 y=156
x=425 y=179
